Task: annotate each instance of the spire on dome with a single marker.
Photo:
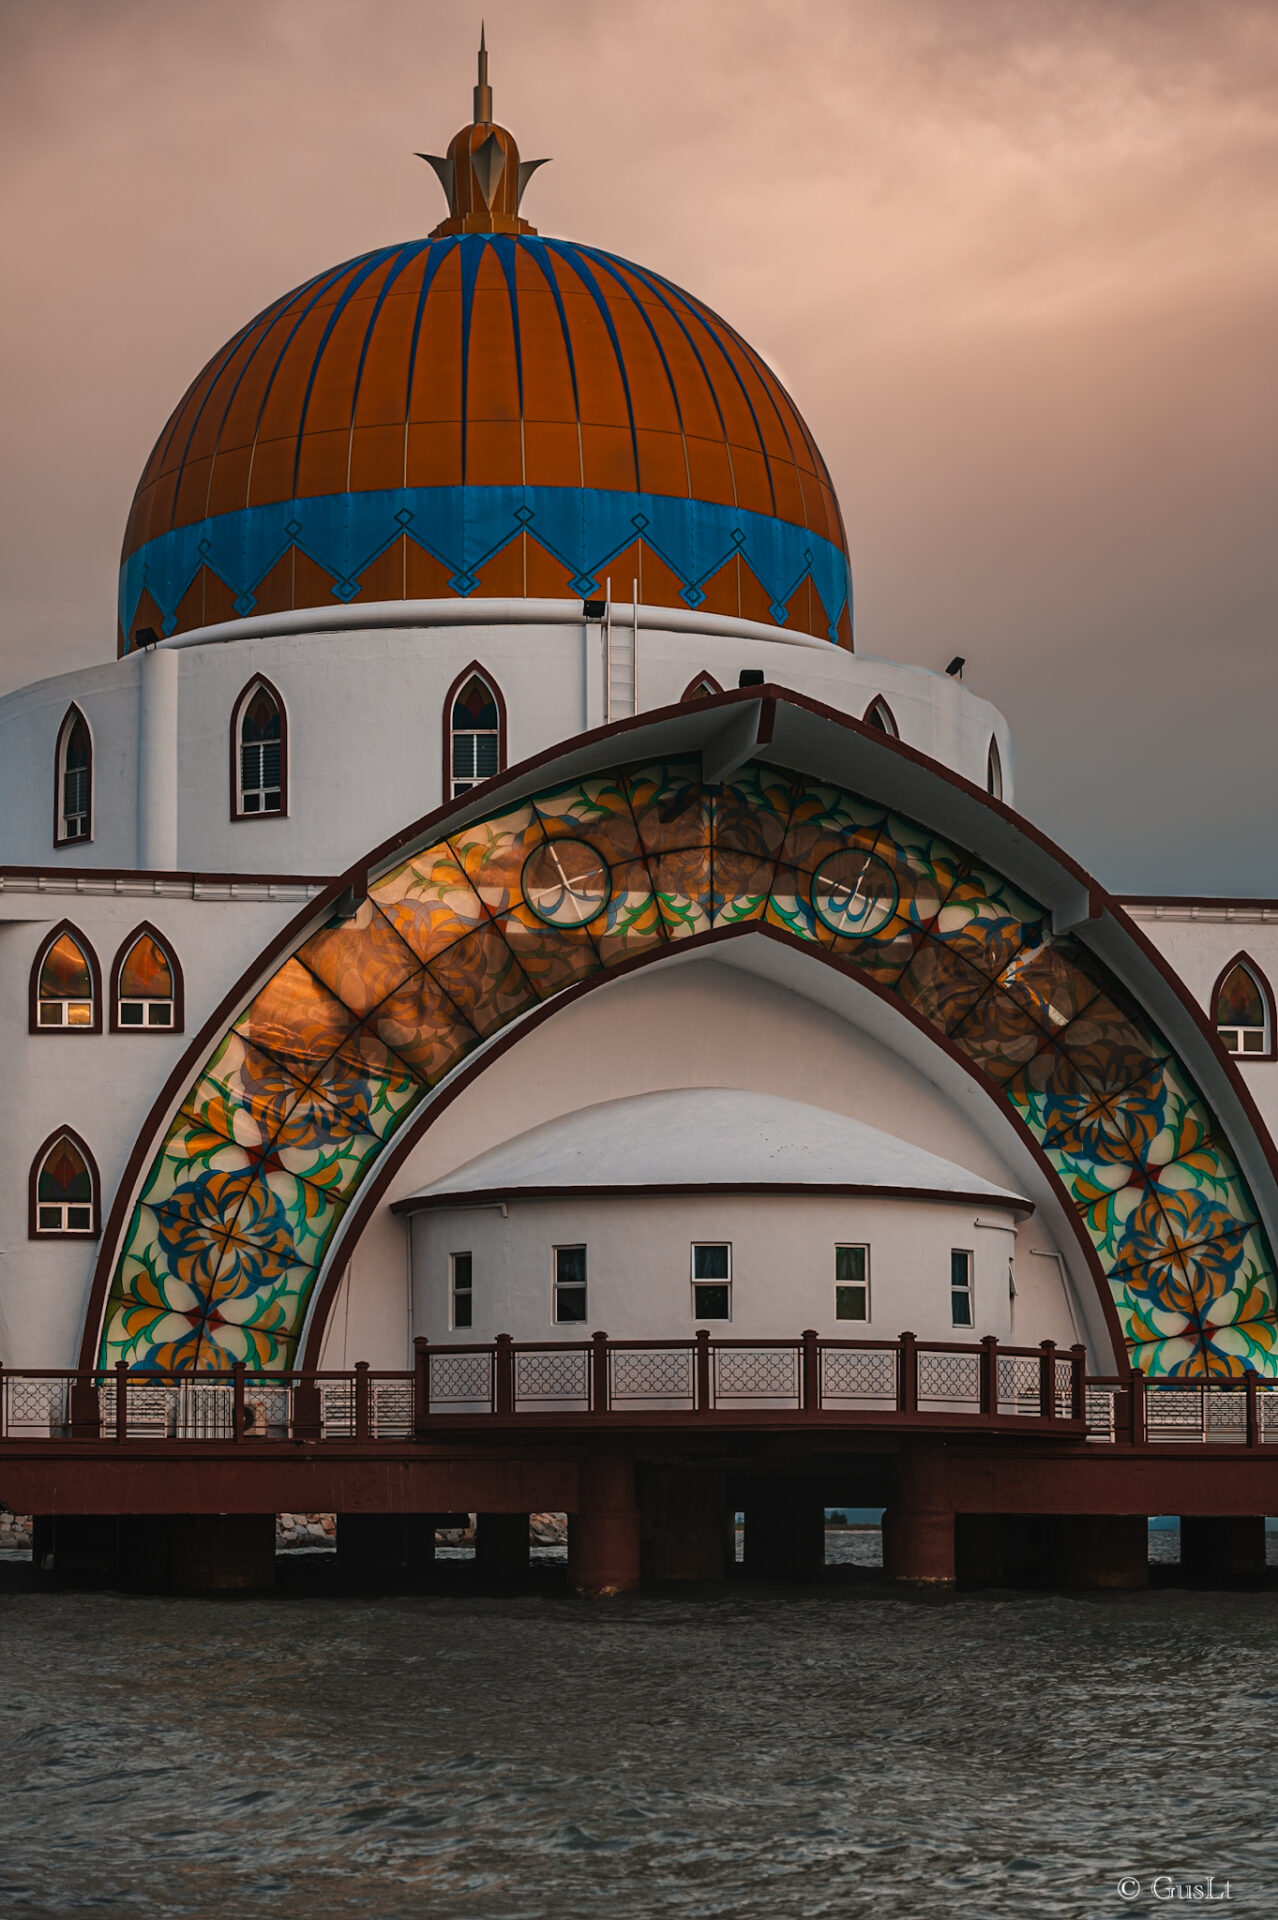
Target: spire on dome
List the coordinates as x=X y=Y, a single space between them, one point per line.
x=482 y=175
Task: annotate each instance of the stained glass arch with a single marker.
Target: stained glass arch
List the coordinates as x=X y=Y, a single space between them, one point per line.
x=66 y=984
x=65 y=1190
x=293 y=1116
x=259 y=753
x=146 y=984
x=474 y=731
x=1243 y=1009
x=73 y=781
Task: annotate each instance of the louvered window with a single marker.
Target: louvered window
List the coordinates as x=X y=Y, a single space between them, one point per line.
x=261 y=755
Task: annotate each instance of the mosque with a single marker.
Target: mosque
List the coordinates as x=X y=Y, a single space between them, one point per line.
x=490 y=894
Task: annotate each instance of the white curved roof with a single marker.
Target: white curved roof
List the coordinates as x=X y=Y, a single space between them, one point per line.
x=710 y=1137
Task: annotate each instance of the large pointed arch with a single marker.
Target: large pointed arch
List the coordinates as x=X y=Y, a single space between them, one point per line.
x=689 y=826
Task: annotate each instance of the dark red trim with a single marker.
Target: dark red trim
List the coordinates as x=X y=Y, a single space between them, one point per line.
x=499 y=698
x=33 y=991
x=237 y=715
x=73 y=713
x=1244 y=959
x=33 y=1183
x=699 y=680
x=840 y=1189
x=774 y=697
x=1195 y=900
x=59 y=872
x=175 y=968
x=891 y=730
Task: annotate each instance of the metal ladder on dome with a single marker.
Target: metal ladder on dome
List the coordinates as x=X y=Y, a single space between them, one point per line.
x=620 y=668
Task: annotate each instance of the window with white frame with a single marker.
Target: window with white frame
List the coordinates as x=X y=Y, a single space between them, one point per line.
x=1242 y=1011
x=851 y=1283
x=961 y=1286
x=64 y=1190
x=570 y=1283
x=74 y=780
x=711 y=1281
x=462 y=1288
x=259 y=755
x=474 y=736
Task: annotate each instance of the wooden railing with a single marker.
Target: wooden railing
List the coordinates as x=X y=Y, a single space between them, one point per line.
x=643 y=1381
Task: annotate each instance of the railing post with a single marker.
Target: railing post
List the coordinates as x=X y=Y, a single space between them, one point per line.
x=1253 y=1408
x=504 y=1375
x=599 y=1396
x=989 y=1375
x=811 y=1380
x=121 y=1400
x=308 y=1410
x=701 y=1402
x=421 y=1384
x=4 y=1406
x=237 y=1400
x=86 y=1410
x=1047 y=1380
x=907 y=1378
x=363 y=1426
x=1078 y=1382
x=1136 y=1408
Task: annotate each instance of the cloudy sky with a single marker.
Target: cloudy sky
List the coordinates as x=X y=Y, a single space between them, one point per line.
x=1017 y=260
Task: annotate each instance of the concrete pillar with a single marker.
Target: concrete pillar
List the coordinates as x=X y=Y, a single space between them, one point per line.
x=1025 y=1549
x=603 y=1533
x=784 y=1533
x=81 y=1547
x=373 y=1543
x=501 y=1544
x=978 y=1549
x=1100 y=1550
x=1218 y=1550
x=918 y=1526
x=685 y=1528
x=222 y=1552
x=158 y=759
x=419 y=1540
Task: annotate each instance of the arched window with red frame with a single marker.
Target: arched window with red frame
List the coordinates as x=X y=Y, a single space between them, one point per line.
x=66 y=984
x=879 y=714
x=65 y=1196
x=474 y=731
x=146 y=985
x=1243 y=1009
x=703 y=687
x=259 y=753
x=73 y=781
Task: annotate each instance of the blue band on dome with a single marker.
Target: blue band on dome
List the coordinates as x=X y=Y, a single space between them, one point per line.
x=585 y=528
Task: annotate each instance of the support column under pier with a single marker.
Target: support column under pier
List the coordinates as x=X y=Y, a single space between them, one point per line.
x=603 y=1533
x=1067 y=1551
x=1222 y=1550
x=501 y=1544
x=1095 y=1550
x=918 y=1525
x=784 y=1533
x=685 y=1529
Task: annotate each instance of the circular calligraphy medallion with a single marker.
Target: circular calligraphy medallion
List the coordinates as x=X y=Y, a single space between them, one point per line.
x=566 y=883
x=855 y=893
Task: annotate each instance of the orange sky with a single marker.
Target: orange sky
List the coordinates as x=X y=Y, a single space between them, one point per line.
x=1017 y=260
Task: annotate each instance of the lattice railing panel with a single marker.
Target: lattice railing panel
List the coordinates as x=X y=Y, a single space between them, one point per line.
x=458 y=1379
x=1098 y=1409
x=557 y=1376
x=1017 y=1383
x=952 y=1377
x=1064 y=1389
x=756 y=1373
x=337 y=1409
x=850 y=1374
x=390 y=1410
x=208 y=1412
x=34 y=1409
x=651 y=1373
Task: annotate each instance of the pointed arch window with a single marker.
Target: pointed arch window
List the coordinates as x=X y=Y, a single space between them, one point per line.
x=1244 y=1010
x=475 y=717
x=704 y=687
x=146 y=985
x=73 y=802
x=65 y=985
x=259 y=772
x=64 y=1189
x=994 y=771
x=879 y=714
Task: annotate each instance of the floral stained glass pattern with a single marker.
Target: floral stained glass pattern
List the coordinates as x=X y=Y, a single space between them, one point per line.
x=349 y=1037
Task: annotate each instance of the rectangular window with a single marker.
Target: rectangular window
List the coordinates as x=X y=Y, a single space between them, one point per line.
x=711 y=1282
x=463 y=1268
x=146 y=1013
x=570 y=1283
x=851 y=1283
x=961 y=1287
x=75 y=804
x=260 y=789
x=64 y=1218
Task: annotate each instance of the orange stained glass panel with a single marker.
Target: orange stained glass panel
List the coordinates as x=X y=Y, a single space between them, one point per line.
x=146 y=973
x=65 y=974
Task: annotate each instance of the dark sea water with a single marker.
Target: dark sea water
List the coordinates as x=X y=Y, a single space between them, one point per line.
x=750 y=1752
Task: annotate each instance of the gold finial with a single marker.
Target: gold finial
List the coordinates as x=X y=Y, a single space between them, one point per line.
x=481 y=174
x=483 y=92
